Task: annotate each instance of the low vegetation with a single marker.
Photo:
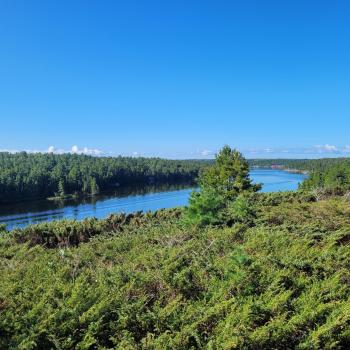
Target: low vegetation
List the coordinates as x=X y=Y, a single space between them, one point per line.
x=273 y=273
x=159 y=284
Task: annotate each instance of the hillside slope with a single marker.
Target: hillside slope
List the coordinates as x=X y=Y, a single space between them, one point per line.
x=151 y=282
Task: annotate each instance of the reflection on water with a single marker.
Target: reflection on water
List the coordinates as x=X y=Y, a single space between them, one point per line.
x=127 y=199
x=277 y=180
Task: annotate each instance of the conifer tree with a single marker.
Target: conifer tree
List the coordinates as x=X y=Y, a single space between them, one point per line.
x=94 y=189
x=220 y=186
x=61 y=191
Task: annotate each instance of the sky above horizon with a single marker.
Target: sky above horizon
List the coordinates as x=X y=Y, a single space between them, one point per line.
x=176 y=79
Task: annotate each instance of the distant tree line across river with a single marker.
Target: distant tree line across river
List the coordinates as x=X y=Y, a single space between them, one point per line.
x=32 y=176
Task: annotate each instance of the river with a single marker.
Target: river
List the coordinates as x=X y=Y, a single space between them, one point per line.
x=128 y=200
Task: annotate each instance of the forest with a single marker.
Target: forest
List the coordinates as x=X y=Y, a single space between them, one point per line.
x=31 y=176
x=236 y=269
x=300 y=164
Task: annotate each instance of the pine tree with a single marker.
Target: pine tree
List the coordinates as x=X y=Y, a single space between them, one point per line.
x=61 y=191
x=220 y=185
x=229 y=176
x=94 y=189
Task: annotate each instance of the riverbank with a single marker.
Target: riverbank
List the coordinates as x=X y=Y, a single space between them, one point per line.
x=289 y=170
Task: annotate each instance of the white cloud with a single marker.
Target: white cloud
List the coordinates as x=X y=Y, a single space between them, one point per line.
x=326 y=148
x=74 y=149
x=9 y=150
x=87 y=151
x=206 y=153
x=52 y=149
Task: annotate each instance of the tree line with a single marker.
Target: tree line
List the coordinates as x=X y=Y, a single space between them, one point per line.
x=299 y=164
x=31 y=176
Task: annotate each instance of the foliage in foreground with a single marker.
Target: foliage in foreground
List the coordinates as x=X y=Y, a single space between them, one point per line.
x=282 y=284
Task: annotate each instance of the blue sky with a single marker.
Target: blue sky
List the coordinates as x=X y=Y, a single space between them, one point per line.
x=176 y=79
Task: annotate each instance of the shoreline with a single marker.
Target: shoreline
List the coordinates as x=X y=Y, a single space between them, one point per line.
x=288 y=170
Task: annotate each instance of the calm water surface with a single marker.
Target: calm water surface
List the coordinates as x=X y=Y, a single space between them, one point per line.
x=128 y=200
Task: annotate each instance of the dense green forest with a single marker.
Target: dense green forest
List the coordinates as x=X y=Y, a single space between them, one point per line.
x=24 y=175
x=330 y=177
x=251 y=271
x=300 y=164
